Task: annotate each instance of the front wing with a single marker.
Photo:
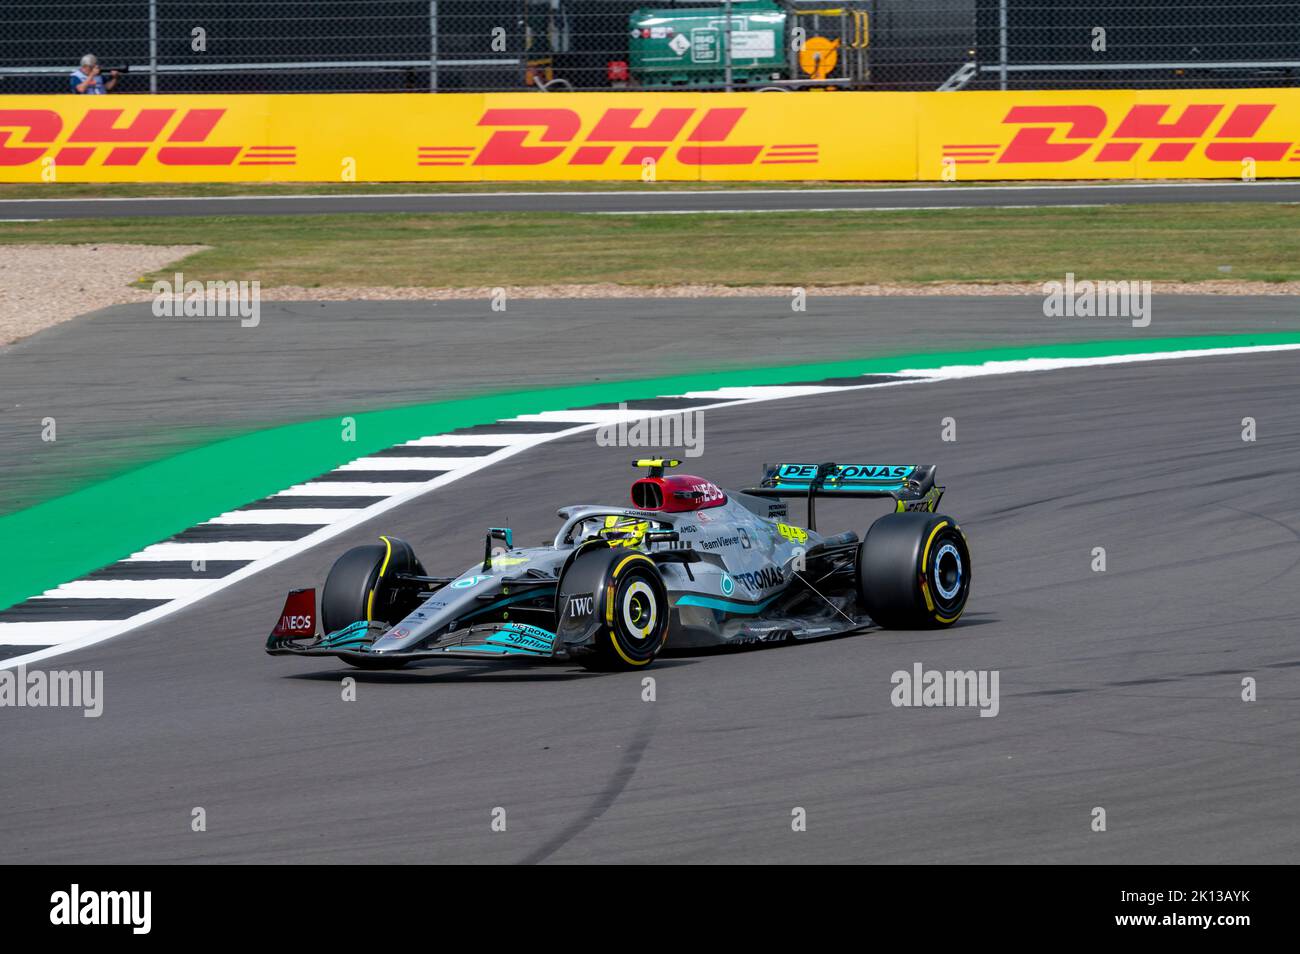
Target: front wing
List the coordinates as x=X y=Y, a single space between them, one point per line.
x=486 y=641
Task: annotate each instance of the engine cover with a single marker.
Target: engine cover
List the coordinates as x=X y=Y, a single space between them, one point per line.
x=676 y=493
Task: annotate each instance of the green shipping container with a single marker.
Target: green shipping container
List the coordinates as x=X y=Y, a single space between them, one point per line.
x=672 y=47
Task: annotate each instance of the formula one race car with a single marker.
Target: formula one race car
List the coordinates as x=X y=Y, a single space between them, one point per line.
x=689 y=565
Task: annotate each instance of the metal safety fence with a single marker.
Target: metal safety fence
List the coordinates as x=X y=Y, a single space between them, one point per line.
x=196 y=46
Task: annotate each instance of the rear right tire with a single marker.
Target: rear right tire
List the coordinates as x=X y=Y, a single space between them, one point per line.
x=914 y=571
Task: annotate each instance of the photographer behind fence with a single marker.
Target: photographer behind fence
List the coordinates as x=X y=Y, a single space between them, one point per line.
x=87 y=79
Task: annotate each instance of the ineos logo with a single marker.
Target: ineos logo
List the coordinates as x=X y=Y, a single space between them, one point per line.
x=582 y=605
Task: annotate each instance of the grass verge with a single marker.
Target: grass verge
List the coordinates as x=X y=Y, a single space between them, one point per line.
x=1176 y=242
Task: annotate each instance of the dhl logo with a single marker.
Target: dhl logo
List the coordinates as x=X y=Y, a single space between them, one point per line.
x=694 y=137
x=119 y=142
x=1069 y=133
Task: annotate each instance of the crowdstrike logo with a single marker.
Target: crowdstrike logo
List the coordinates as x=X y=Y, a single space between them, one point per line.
x=76 y=907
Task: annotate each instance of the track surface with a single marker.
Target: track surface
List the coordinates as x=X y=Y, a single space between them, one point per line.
x=145 y=385
x=1118 y=689
x=665 y=200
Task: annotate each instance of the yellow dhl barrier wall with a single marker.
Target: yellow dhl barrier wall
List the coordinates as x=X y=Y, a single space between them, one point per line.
x=674 y=136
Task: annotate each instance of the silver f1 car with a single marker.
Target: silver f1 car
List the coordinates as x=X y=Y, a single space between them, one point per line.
x=688 y=566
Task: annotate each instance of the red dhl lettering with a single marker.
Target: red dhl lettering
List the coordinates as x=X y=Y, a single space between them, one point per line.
x=623 y=136
x=1066 y=133
x=121 y=138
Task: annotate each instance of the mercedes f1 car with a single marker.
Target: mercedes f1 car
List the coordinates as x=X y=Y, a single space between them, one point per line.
x=689 y=565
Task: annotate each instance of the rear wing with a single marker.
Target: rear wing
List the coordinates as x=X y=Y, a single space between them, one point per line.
x=910 y=486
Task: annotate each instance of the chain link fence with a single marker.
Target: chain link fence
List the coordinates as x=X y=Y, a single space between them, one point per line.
x=193 y=46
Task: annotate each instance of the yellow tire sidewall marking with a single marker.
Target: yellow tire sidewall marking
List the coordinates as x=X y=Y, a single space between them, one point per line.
x=925 y=555
x=609 y=609
x=370 y=600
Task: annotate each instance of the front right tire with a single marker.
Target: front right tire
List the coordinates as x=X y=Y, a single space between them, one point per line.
x=358 y=588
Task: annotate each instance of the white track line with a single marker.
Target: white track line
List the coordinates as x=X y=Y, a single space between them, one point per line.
x=789 y=210
x=611 y=415
x=336 y=488
x=1025 y=365
x=306 y=516
x=1234 y=182
x=126 y=589
x=470 y=440
x=406 y=463
x=44 y=634
x=209 y=550
x=741 y=393
x=67 y=636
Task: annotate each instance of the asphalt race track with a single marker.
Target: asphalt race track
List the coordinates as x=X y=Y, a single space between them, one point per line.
x=1119 y=689
x=140 y=392
x=666 y=199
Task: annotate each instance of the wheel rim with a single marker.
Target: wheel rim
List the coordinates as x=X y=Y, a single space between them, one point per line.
x=948 y=572
x=639 y=610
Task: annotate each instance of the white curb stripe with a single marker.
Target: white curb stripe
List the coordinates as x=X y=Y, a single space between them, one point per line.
x=44 y=634
x=210 y=550
x=307 y=516
x=347 y=489
x=127 y=589
x=493 y=441
x=407 y=463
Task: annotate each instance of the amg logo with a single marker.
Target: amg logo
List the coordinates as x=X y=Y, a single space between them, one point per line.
x=764 y=579
x=75 y=907
x=581 y=605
